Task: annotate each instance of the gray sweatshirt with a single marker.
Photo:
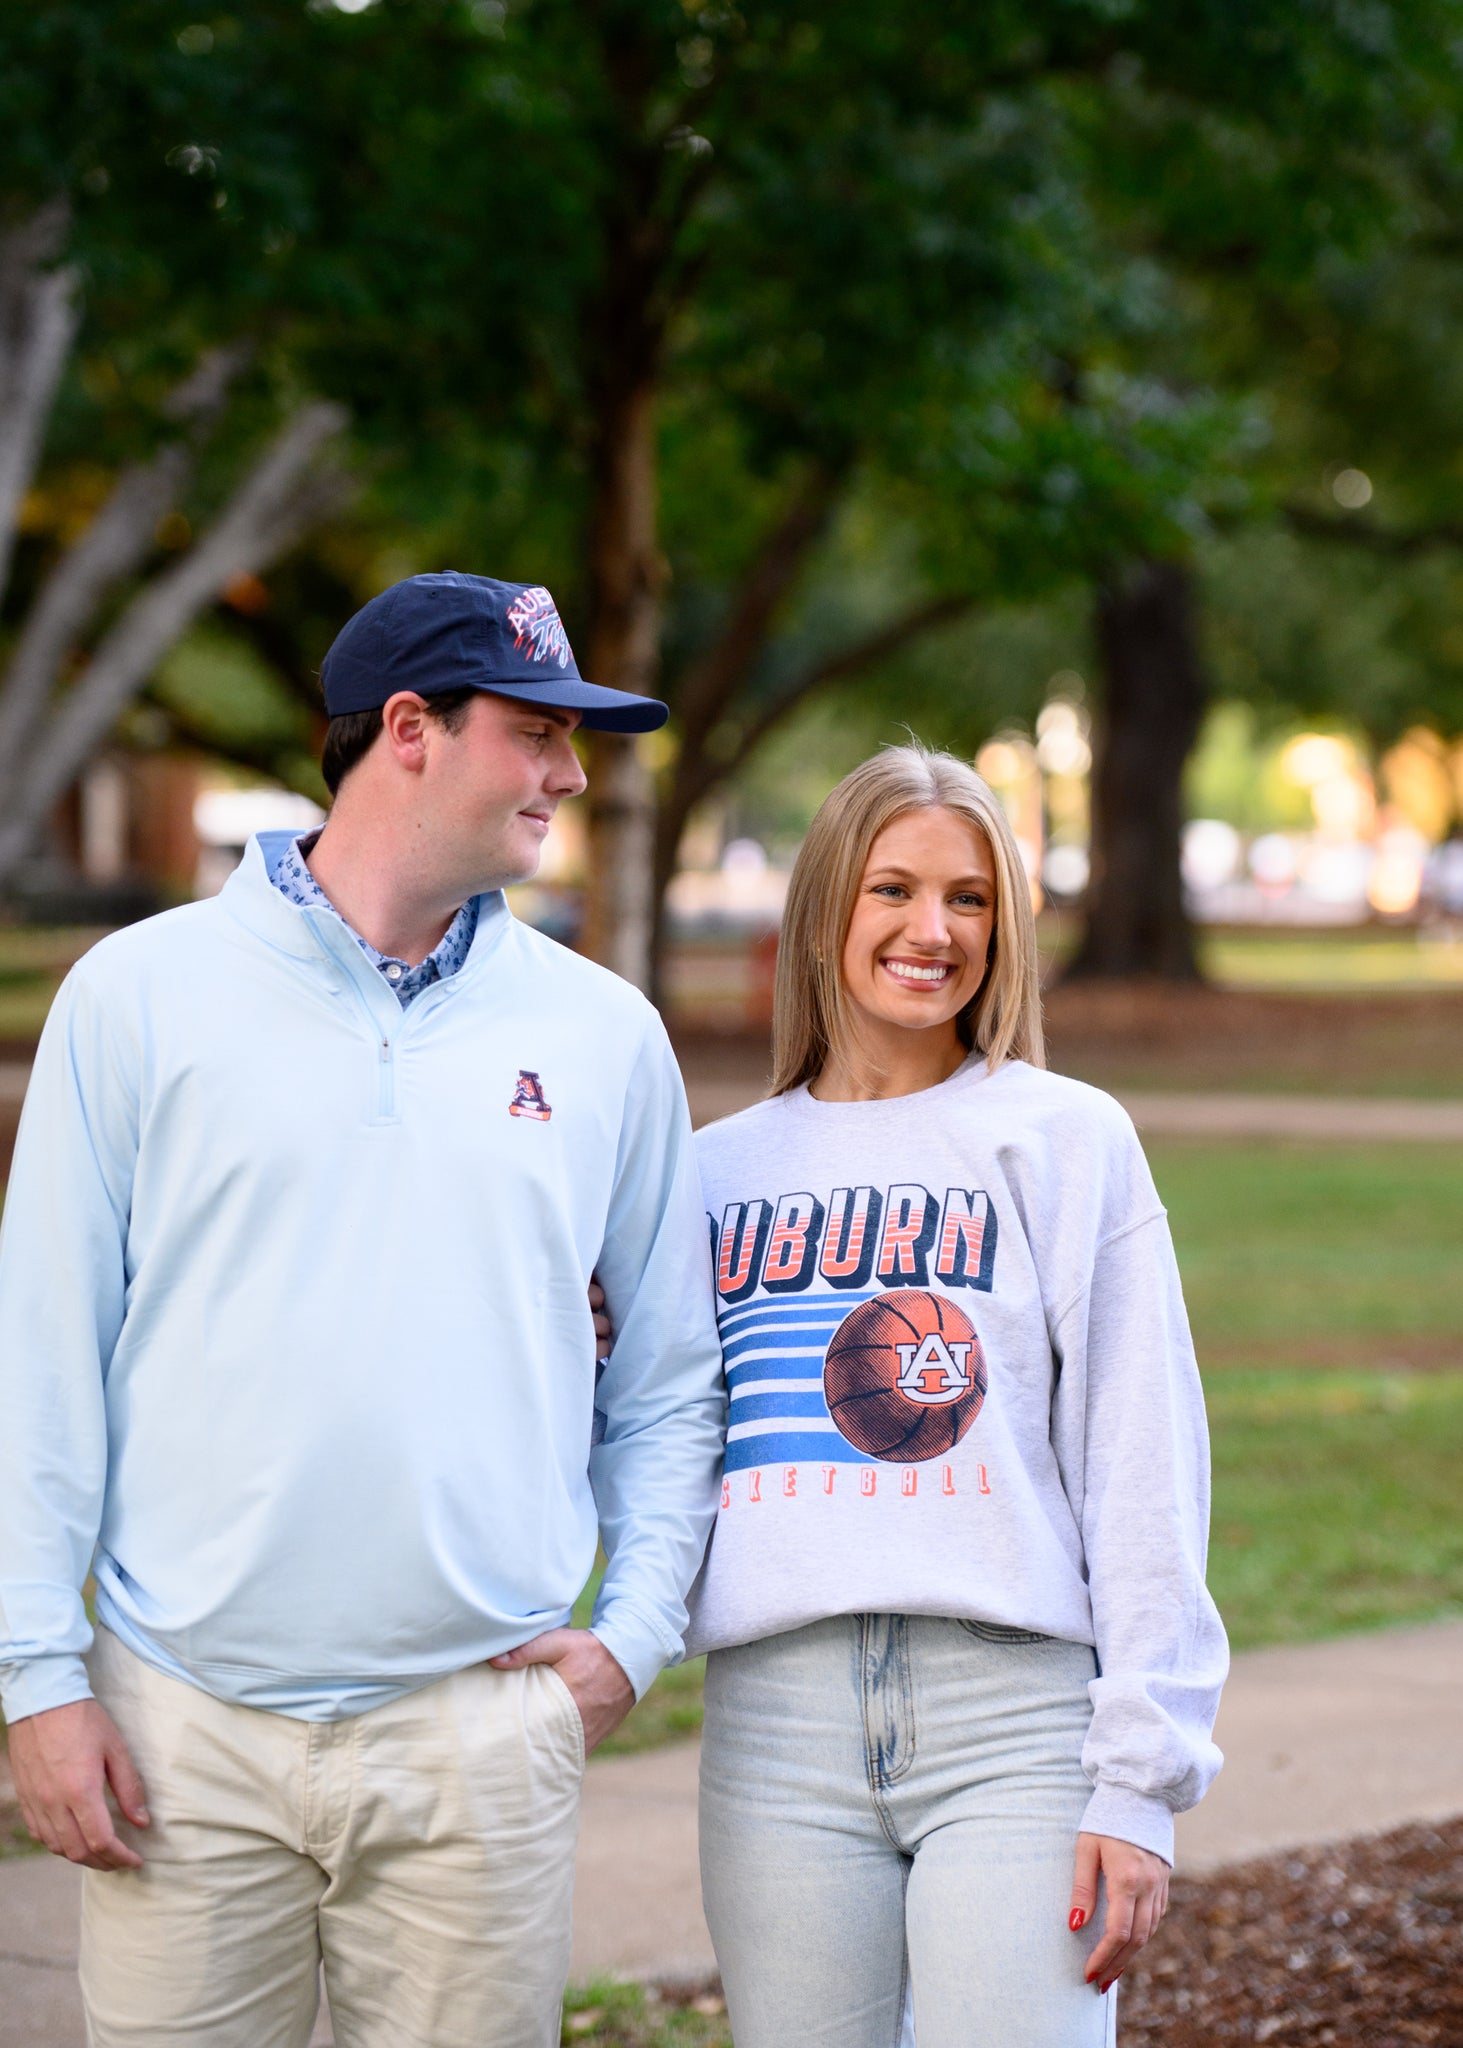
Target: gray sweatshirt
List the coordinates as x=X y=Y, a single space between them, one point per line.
x=962 y=1383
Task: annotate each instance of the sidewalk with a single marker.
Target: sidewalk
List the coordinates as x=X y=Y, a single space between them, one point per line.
x=1322 y=1741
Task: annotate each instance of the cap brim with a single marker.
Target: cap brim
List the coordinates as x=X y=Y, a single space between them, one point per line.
x=600 y=709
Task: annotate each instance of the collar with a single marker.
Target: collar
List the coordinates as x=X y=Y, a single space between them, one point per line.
x=252 y=898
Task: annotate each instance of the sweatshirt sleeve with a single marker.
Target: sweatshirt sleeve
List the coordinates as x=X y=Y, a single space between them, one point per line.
x=62 y=1294
x=1131 y=1438
x=657 y=1466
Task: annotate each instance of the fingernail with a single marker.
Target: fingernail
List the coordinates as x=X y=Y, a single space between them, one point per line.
x=1078 y=1919
x=144 y=1818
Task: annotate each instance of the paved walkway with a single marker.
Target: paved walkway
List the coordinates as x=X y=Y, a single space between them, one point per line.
x=1322 y=1741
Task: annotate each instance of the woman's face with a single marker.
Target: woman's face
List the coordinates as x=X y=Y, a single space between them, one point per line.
x=922 y=922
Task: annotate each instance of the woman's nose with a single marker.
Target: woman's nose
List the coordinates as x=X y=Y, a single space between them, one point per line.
x=927 y=923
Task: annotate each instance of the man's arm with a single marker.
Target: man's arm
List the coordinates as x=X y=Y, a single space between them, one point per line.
x=656 y=1470
x=62 y=1293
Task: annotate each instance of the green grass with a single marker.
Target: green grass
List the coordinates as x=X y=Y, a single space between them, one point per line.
x=1355 y=959
x=33 y=961
x=1335 y=1501
x=1337 y=962
x=1328 y=1254
x=632 y=2016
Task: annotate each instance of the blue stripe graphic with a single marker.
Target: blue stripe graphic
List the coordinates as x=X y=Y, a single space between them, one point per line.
x=814 y=1338
x=754 y=1407
x=754 y=1369
x=789 y=1449
x=776 y=1340
x=818 y=1308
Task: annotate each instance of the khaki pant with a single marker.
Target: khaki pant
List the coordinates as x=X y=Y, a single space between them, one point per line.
x=424 y=1852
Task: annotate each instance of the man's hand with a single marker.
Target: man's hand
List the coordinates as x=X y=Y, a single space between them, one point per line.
x=602 y=1692
x=1137 y=1899
x=63 y=1761
x=604 y=1336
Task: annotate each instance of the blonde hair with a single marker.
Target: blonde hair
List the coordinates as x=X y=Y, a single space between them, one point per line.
x=811 y=1015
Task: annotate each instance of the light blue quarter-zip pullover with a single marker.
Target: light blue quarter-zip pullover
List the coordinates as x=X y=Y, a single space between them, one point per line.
x=295 y=1350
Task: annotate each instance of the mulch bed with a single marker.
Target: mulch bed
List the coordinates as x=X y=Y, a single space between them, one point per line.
x=1359 y=1944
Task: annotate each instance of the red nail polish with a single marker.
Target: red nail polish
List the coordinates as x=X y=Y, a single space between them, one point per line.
x=1077 y=1919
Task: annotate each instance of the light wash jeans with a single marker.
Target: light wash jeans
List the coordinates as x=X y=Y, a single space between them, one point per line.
x=889 y=1802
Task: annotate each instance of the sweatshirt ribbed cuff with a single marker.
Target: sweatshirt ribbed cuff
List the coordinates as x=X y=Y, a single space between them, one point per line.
x=1130 y=1817
x=41 y=1683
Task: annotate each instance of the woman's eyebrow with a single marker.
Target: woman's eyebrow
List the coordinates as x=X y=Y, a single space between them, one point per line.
x=897 y=874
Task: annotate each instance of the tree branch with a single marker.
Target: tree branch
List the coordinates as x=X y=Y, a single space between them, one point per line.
x=273 y=506
x=115 y=543
x=1364 y=533
x=262 y=757
x=38 y=321
x=705 y=773
x=708 y=684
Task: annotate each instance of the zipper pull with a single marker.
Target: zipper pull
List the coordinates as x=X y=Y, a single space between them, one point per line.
x=386 y=1048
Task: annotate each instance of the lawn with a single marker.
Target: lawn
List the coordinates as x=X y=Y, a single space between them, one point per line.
x=1338 y=960
x=1366 y=958
x=33 y=960
x=1326 y=1293
x=1335 y=1501
x=1334 y=1254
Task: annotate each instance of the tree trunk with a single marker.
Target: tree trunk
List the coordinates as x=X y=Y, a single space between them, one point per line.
x=1155 y=692
x=627 y=580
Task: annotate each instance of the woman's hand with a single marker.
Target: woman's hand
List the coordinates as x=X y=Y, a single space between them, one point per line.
x=1137 y=1899
x=604 y=1336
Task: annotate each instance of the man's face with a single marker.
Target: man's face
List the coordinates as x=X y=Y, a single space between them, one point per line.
x=492 y=787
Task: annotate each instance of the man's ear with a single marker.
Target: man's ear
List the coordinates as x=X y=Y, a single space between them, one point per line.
x=404 y=729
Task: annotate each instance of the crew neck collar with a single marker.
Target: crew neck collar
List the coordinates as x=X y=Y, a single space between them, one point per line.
x=972 y=1069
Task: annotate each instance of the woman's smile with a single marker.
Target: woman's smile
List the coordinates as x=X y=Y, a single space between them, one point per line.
x=920 y=973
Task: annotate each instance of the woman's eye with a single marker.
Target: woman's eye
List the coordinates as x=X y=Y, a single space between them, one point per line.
x=969 y=902
x=889 y=889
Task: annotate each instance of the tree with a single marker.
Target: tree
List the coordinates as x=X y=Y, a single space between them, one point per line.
x=104 y=196
x=1330 y=145
x=839 y=242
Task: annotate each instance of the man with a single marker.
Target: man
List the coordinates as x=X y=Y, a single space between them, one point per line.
x=296 y=1357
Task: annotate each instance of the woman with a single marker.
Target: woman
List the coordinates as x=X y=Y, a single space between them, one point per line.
x=963 y=1663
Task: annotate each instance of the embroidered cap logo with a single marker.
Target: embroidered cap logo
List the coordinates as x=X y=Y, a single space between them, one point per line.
x=529 y=1099
x=537 y=628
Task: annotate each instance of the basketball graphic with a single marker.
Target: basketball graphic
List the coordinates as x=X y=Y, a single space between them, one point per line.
x=904 y=1376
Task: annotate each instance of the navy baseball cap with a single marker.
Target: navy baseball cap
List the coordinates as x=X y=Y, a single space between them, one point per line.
x=450 y=631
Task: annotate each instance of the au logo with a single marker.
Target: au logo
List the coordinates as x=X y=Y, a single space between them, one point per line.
x=934 y=1372
x=529 y=1099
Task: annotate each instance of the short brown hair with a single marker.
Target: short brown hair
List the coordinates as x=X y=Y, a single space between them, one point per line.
x=351 y=736
x=810 y=1013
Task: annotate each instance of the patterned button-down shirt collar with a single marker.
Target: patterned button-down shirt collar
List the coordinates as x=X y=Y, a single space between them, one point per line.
x=292 y=877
